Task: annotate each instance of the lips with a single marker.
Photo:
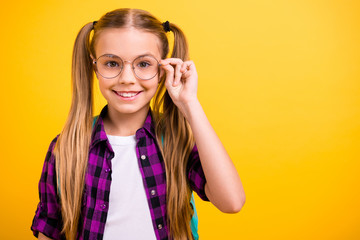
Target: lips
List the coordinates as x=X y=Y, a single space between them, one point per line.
x=127 y=94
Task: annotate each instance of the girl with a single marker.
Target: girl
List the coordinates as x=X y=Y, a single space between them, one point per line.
x=129 y=173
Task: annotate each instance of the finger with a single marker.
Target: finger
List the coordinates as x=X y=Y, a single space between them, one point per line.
x=172 y=61
x=176 y=63
x=186 y=66
x=186 y=75
x=169 y=71
x=191 y=66
x=183 y=69
x=177 y=75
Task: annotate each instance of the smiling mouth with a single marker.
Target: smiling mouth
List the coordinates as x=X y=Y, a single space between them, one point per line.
x=127 y=94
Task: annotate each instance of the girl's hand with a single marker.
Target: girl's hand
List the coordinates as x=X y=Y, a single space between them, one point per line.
x=181 y=81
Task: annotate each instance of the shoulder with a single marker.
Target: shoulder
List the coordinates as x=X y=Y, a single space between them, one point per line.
x=53 y=142
x=50 y=151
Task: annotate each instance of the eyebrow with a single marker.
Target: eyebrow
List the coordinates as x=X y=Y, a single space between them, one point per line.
x=141 y=55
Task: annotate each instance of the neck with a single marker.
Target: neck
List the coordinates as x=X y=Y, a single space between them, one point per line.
x=124 y=124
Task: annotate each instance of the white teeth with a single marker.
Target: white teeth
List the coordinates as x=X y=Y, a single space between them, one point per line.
x=127 y=95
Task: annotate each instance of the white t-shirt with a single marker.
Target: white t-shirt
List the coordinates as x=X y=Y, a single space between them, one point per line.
x=129 y=214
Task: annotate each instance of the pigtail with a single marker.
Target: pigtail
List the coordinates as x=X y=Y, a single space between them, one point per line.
x=181 y=49
x=178 y=143
x=72 y=147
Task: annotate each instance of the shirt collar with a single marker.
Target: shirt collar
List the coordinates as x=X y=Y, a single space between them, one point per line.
x=99 y=134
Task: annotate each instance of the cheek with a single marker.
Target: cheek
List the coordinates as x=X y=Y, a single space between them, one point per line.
x=151 y=84
x=103 y=86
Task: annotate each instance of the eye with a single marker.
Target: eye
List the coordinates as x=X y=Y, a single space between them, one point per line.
x=143 y=64
x=111 y=64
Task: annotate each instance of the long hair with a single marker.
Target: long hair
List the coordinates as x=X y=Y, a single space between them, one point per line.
x=171 y=127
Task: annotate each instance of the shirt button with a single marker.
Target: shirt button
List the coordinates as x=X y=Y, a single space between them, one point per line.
x=159 y=226
x=153 y=192
x=103 y=206
x=107 y=170
x=143 y=157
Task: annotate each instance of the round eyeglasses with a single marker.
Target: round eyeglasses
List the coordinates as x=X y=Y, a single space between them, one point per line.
x=144 y=67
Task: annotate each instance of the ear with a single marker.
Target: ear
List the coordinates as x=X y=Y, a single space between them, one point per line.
x=92 y=58
x=94 y=67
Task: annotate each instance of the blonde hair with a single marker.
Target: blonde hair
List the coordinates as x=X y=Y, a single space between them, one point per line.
x=72 y=147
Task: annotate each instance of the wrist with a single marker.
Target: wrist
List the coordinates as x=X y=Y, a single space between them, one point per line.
x=189 y=108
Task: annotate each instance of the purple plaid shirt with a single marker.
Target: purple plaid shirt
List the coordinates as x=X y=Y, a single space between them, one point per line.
x=95 y=203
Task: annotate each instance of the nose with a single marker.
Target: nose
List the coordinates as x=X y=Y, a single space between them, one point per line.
x=127 y=75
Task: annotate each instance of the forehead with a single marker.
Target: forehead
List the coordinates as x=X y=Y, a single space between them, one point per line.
x=127 y=43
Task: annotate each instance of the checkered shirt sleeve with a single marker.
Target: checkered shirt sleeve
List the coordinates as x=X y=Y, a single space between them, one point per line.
x=196 y=174
x=47 y=219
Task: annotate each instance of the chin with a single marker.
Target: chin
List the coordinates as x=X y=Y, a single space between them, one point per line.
x=131 y=109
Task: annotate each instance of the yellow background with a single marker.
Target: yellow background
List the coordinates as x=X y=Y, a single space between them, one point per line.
x=279 y=81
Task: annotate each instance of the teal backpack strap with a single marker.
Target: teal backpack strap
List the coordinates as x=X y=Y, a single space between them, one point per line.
x=94 y=121
x=93 y=124
x=194 y=220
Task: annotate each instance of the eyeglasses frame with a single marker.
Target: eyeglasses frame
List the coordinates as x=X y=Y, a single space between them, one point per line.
x=123 y=65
